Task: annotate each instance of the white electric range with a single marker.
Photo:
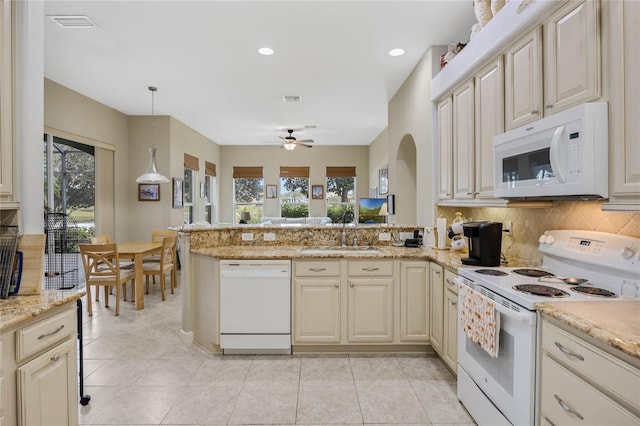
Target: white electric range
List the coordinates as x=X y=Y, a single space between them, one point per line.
x=501 y=390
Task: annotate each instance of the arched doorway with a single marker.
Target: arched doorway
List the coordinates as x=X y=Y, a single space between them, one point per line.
x=405 y=168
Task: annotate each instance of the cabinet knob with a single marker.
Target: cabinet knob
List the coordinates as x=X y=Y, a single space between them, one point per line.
x=336 y=285
x=548 y=106
x=533 y=112
x=469 y=193
x=453 y=303
x=351 y=285
x=55 y=357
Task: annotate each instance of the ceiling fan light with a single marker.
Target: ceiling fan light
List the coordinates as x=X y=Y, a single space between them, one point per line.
x=289 y=146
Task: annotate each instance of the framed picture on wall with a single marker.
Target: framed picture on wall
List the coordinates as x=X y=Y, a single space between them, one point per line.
x=272 y=191
x=178 y=200
x=383 y=181
x=317 y=192
x=148 y=192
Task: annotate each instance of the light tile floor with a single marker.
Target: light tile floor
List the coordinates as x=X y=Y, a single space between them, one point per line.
x=137 y=371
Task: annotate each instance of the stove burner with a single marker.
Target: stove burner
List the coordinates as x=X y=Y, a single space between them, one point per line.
x=533 y=273
x=494 y=272
x=593 y=291
x=540 y=290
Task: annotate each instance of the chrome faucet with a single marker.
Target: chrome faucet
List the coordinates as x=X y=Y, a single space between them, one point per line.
x=344 y=221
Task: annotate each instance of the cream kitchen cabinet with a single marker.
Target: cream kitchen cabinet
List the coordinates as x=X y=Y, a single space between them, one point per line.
x=463 y=141
x=370 y=311
x=414 y=295
x=571 y=55
x=450 y=324
x=445 y=148
x=624 y=105
x=317 y=302
x=523 y=80
x=582 y=384
x=556 y=65
x=39 y=361
x=6 y=103
x=489 y=122
x=436 y=306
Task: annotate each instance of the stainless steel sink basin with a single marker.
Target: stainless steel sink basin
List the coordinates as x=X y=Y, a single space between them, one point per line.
x=340 y=250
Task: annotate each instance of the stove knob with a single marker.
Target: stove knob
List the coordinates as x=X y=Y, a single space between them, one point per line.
x=542 y=239
x=627 y=253
x=550 y=239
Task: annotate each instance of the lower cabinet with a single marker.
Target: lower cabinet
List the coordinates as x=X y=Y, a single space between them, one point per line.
x=450 y=342
x=40 y=366
x=582 y=384
x=436 y=306
x=359 y=302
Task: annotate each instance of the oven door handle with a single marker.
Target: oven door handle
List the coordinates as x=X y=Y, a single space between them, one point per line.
x=554 y=154
x=520 y=316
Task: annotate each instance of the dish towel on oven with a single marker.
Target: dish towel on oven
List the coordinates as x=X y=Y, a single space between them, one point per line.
x=479 y=319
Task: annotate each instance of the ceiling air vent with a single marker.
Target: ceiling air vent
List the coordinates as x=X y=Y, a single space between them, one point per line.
x=72 y=21
x=292 y=99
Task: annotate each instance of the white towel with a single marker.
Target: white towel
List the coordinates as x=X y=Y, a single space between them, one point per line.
x=479 y=319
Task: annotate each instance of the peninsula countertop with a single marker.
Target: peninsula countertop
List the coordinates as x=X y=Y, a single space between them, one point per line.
x=16 y=309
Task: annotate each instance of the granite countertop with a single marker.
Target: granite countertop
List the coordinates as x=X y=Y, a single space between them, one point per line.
x=616 y=323
x=16 y=309
x=449 y=259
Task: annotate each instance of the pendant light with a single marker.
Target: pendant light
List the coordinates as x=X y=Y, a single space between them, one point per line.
x=151 y=175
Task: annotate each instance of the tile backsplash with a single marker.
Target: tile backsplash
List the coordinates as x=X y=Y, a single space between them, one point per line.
x=530 y=223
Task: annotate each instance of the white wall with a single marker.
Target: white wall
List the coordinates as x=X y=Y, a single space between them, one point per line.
x=378 y=157
x=272 y=157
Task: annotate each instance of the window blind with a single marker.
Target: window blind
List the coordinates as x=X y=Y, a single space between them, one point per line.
x=209 y=169
x=289 y=171
x=341 y=171
x=247 y=172
x=191 y=162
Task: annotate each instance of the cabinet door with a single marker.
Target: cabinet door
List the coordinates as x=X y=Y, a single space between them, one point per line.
x=489 y=99
x=463 y=141
x=316 y=310
x=370 y=310
x=571 y=56
x=450 y=344
x=436 y=313
x=414 y=295
x=624 y=106
x=48 y=387
x=523 y=80
x=445 y=147
x=6 y=100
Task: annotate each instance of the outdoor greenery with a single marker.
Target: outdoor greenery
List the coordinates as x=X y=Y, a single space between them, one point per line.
x=336 y=211
x=294 y=210
x=341 y=187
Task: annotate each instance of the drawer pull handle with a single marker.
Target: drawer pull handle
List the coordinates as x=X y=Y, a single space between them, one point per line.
x=436 y=272
x=568 y=352
x=42 y=336
x=450 y=282
x=566 y=408
x=370 y=269
x=318 y=269
x=55 y=357
x=453 y=303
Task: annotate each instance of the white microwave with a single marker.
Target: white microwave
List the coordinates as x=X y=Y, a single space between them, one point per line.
x=565 y=155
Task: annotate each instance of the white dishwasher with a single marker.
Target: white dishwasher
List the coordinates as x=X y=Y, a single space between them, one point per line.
x=255 y=306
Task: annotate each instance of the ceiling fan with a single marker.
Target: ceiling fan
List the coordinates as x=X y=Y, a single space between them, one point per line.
x=290 y=142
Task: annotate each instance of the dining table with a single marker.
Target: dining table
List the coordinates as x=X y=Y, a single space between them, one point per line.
x=137 y=250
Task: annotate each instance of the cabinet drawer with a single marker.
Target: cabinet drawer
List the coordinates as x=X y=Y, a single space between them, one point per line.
x=567 y=400
x=449 y=282
x=372 y=268
x=611 y=374
x=317 y=268
x=35 y=338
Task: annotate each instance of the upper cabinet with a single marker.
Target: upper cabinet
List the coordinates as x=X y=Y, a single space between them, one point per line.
x=463 y=139
x=445 y=146
x=523 y=80
x=6 y=104
x=556 y=65
x=624 y=105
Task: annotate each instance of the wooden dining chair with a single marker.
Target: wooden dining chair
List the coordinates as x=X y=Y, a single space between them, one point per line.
x=102 y=268
x=100 y=239
x=166 y=264
x=124 y=264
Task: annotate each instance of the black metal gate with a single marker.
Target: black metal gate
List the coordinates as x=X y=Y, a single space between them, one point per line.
x=61 y=251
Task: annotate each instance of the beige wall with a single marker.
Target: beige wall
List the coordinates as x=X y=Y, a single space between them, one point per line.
x=272 y=157
x=378 y=157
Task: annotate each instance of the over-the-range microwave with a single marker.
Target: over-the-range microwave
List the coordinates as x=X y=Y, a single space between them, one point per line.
x=565 y=155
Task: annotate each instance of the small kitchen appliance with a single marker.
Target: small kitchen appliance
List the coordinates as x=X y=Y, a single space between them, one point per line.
x=485 y=243
x=502 y=390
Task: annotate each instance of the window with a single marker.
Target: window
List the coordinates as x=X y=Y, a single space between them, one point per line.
x=341 y=190
x=294 y=191
x=187 y=190
x=248 y=194
x=209 y=191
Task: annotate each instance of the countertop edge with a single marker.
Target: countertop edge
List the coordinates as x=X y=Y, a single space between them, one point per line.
x=17 y=309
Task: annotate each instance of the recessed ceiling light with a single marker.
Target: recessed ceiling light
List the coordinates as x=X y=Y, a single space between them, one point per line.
x=396 y=52
x=292 y=99
x=73 y=21
x=266 y=51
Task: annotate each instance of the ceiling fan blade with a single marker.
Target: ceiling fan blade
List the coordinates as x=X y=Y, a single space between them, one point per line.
x=305 y=140
x=305 y=145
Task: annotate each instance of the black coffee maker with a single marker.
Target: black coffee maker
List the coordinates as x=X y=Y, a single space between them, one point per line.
x=485 y=243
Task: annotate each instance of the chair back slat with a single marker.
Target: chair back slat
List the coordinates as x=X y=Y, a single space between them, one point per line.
x=168 y=249
x=100 y=261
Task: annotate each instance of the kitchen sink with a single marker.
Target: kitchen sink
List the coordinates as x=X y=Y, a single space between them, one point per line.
x=340 y=250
